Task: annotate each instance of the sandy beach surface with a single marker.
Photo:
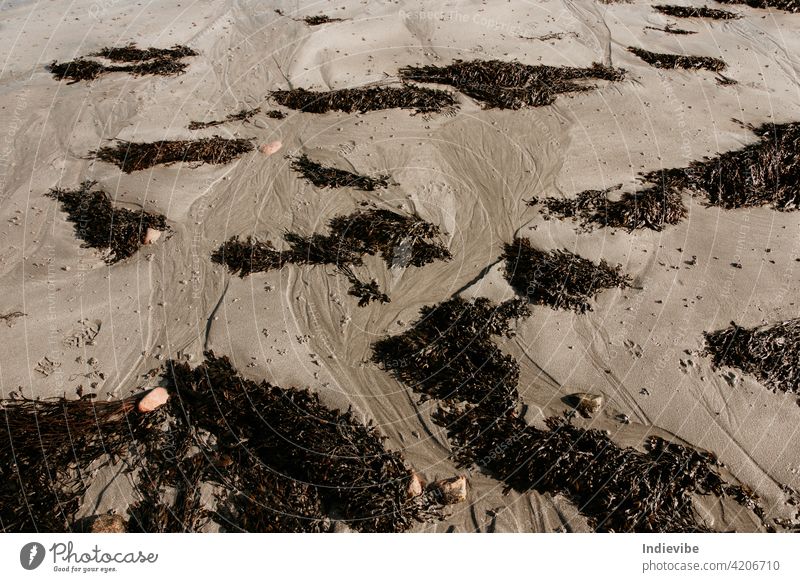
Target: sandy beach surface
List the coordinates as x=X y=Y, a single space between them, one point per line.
x=471 y=174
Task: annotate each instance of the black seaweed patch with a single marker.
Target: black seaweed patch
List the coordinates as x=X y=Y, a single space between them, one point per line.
x=671 y=61
x=100 y=225
x=133 y=156
x=363 y=99
x=785 y=5
x=448 y=354
x=510 y=85
x=559 y=278
x=769 y=353
x=399 y=240
x=327 y=177
x=695 y=12
x=243 y=115
x=151 y=61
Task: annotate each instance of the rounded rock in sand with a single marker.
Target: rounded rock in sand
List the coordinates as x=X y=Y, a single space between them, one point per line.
x=450 y=491
x=270 y=148
x=151 y=236
x=156 y=398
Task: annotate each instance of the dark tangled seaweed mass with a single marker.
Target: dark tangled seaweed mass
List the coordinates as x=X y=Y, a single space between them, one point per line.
x=654 y=207
x=100 y=225
x=670 y=29
x=363 y=99
x=290 y=434
x=510 y=85
x=327 y=177
x=150 y=61
x=133 y=54
x=785 y=5
x=558 y=278
x=618 y=489
x=132 y=156
x=277 y=459
x=769 y=353
x=695 y=12
x=764 y=173
x=670 y=61
x=242 y=115
x=48 y=452
x=399 y=240
x=448 y=354
x=318 y=19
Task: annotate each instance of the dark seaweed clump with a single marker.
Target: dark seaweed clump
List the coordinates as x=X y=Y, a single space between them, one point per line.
x=654 y=207
x=262 y=500
x=192 y=452
x=510 y=85
x=695 y=12
x=48 y=452
x=366 y=292
x=785 y=5
x=363 y=99
x=325 y=458
x=618 y=489
x=243 y=115
x=77 y=70
x=151 y=61
x=399 y=240
x=448 y=354
x=326 y=177
x=318 y=19
x=764 y=173
x=172 y=464
x=133 y=54
x=670 y=29
x=132 y=156
x=559 y=278
x=276 y=460
x=769 y=353
x=670 y=61
x=100 y=225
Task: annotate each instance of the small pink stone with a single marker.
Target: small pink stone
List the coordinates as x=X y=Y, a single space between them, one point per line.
x=270 y=148
x=415 y=485
x=154 y=399
x=151 y=236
